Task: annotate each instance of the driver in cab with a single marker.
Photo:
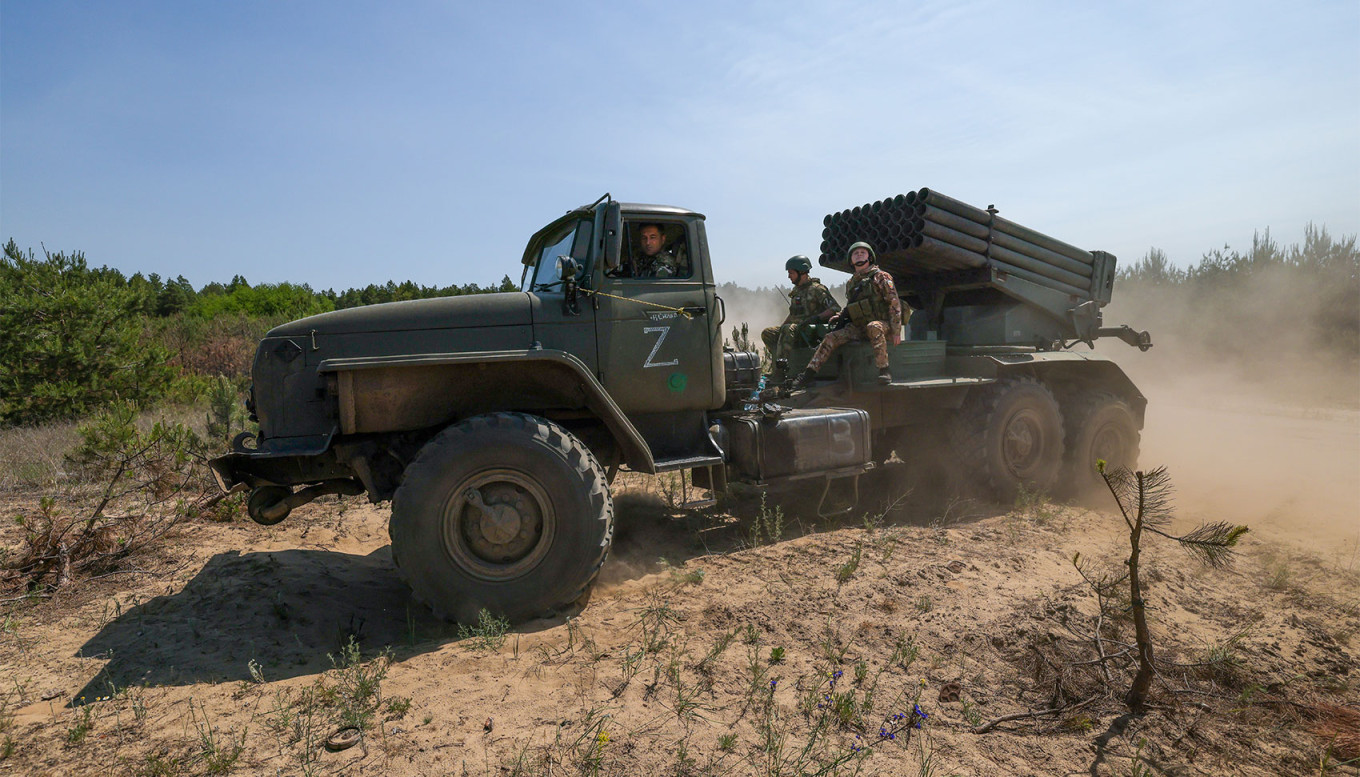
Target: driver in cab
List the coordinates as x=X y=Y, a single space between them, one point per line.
x=655 y=260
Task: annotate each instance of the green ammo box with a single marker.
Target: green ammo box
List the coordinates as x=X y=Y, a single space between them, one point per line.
x=908 y=360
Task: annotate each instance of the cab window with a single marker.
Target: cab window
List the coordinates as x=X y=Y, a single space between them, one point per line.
x=655 y=250
x=572 y=240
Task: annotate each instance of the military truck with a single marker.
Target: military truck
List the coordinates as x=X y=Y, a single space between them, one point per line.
x=496 y=423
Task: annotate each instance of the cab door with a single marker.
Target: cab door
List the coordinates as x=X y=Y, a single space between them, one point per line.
x=563 y=321
x=654 y=334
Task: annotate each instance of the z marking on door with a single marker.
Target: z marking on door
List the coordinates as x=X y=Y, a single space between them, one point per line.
x=661 y=338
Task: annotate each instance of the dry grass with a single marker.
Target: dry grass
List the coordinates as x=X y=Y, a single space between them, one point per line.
x=140 y=483
x=1339 y=727
x=33 y=458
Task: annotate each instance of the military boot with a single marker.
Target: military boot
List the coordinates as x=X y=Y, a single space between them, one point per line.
x=804 y=378
x=884 y=377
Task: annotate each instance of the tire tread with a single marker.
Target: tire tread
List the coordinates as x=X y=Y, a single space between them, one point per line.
x=573 y=451
x=977 y=417
x=1075 y=414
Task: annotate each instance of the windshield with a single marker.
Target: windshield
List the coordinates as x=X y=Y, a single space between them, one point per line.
x=572 y=240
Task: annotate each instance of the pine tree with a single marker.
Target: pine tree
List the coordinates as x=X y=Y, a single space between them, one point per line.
x=1144 y=500
x=70 y=339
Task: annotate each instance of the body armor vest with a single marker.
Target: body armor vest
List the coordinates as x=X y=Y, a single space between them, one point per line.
x=863 y=301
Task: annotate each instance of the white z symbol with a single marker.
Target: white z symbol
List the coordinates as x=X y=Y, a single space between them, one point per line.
x=664 y=330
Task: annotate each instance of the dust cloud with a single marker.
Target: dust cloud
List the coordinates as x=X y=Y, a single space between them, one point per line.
x=765 y=306
x=1253 y=404
x=1289 y=470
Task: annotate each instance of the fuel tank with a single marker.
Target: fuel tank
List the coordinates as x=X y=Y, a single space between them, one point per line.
x=767 y=448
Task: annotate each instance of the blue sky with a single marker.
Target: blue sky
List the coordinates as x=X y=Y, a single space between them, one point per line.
x=345 y=143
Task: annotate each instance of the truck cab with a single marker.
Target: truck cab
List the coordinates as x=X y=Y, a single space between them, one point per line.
x=652 y=339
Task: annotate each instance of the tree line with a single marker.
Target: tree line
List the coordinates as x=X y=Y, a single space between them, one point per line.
x=76 y=338
x=160 y=298
x=1300 y=299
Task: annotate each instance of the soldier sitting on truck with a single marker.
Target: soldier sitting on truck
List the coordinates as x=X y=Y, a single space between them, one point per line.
x=872 y=312
x=656 y=260
x=809 y=303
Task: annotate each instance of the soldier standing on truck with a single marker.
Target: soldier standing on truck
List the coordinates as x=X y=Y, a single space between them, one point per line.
x=809 y=303
x=872 y=312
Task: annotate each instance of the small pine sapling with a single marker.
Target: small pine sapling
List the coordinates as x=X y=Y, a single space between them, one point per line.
x=1144 y=501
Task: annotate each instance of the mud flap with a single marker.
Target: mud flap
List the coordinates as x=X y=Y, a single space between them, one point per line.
x=713 y=478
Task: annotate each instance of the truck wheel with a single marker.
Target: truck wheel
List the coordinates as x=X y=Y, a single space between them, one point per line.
x=1008 y=435
x=1099 y=427
x=505 y=512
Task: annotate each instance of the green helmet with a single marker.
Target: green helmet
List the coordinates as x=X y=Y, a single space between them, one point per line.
x=799 y=263
x=873 y=257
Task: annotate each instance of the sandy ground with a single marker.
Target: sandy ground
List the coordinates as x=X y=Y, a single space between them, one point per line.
x=224 y=653
x=1288 y=474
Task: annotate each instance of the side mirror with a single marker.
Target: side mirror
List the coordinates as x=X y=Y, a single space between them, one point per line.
x=613 y=236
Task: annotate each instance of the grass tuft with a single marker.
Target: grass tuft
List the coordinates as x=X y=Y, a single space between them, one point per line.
x=488 y=634
x=357 y=685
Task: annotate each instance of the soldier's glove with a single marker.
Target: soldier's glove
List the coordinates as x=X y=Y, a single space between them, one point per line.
x=840 y=322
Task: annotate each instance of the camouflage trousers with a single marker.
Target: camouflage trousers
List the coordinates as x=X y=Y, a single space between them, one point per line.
x=780 y=340
x=876 y=332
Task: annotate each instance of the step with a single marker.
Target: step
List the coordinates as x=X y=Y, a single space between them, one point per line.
x=688 y=462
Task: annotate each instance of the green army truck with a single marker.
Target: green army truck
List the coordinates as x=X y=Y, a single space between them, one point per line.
x=495 y=423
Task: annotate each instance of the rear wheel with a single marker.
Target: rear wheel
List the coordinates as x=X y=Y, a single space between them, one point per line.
x=1009 y=435
x=505 y=512
x=1100 y=427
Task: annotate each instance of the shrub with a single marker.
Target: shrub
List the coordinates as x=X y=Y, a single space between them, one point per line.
x=144 y=474
x=1144 y=502
x=222 y=346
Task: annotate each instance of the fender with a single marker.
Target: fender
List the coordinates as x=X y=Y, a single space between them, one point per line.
x=403 y=393
x=1067 y=371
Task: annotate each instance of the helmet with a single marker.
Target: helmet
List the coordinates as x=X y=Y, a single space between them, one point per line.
x=799 y=263
x=873 y=258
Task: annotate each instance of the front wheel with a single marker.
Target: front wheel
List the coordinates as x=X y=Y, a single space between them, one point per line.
x=505 y=512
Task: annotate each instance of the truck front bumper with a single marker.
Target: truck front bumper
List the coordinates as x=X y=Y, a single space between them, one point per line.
x=284 y=461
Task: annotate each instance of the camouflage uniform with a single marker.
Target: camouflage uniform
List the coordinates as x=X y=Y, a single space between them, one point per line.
x=877 y=313
x=664 y=265
x=807 y=302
